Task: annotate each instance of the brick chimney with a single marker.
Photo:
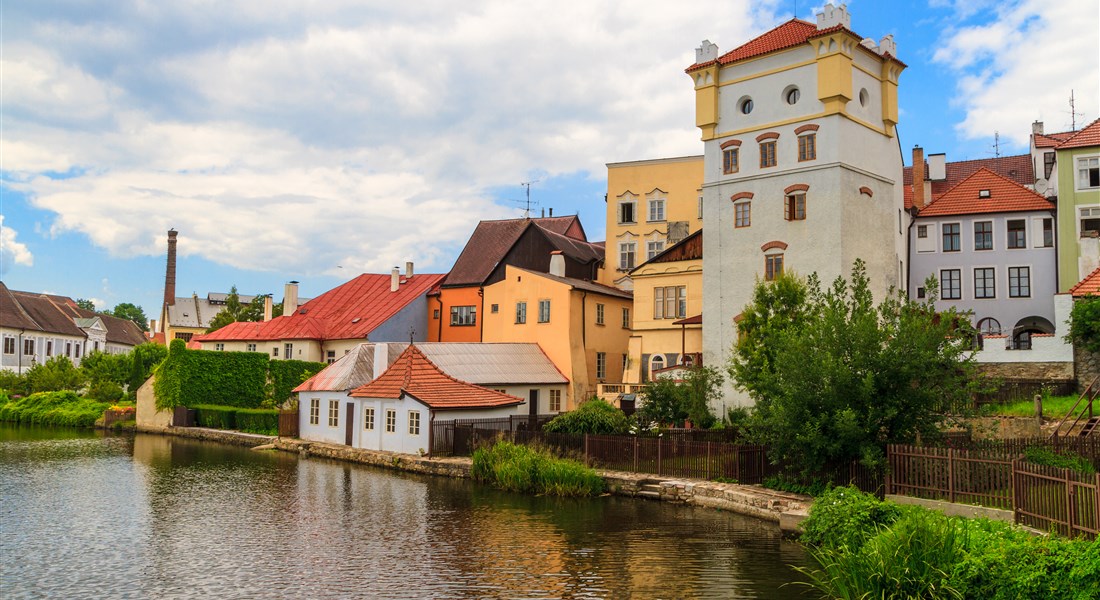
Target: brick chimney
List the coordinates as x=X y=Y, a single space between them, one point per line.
x=170 y=271
x=395 y=279
x=918 y=177
x=269 y=307
x=290 y=298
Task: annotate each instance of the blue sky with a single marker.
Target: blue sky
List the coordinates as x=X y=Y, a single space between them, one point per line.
x=315 y=142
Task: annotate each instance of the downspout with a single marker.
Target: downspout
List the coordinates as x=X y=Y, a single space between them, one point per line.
x=1054 y=238
x=683 y=344
x=584 y=337
x=439 y=328
x=909 y=251
x=431 y=432
x=19 y=353
x=481 y=323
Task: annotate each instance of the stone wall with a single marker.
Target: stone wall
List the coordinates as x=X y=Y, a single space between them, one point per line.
x=450 y=467
x=147 y=414
x=1023 y=370
x=1003 y=428
x=1087 y=365
x=236 y=438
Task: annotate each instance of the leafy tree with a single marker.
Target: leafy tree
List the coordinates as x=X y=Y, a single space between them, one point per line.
x=1084 y=323
x=836 y=378
x=595 y=416
x=56 y=374
x=99 y=367
x=144 y=359
x=234 y=311
x=85 y=304
x=671 y=401
x=132 y=312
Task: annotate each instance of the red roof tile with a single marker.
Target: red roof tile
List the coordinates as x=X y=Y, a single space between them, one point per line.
x=1005 y=195
x=1089 y=136
x=413 y=374
x=1018 y=168
x=1050 y=140
x=349 y=311
x=491 y=241
x=1090 y=285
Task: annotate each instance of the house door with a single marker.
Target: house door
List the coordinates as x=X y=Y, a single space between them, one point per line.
x=533 y=402
x=350 y=433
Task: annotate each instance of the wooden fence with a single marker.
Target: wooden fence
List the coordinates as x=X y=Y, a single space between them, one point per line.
x=1047 y=498
x=288 y=423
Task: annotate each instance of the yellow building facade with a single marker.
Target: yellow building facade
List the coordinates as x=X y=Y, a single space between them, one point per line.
x=582 y=326
x=651 y=205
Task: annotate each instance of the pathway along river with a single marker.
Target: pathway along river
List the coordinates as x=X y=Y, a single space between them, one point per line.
x=89 y=515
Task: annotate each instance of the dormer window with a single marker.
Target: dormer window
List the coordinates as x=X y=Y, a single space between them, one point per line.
x=985 y=194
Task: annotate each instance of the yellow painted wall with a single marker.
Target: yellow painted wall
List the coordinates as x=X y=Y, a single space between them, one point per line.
x=661 y=335
x=440 y=328
x=571 y=338
x=681 y=178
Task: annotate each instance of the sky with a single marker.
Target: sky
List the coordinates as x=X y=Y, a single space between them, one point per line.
x=313 y=141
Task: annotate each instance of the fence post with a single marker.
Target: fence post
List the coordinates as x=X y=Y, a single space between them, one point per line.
x=707 y=471
x=635 y=454
x=586 y=461
x=659 y=440
x=1069 y=503
x=737 y=463
x=1014 y=490
x=951 y=474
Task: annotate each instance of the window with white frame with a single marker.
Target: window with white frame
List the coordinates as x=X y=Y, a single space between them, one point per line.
x=544 y=311
x=599 y=313
x=1089 y=222
x=626 y=255
x=656 y=363
x=521 y=313
x=220 y=347
x=414 y=422
x=1017 y=233
x=330 y=356
x=700 y=206
x=656 y=202
x=1088 y=172
x=9 y=345
x=984 y=284
x=922 y=231
x=68 y=349
x=1019 y=282
x=391 y=420
x=983 y=235
x=555 y=400
x=463 y=316
x=670 y=302
x=601 y=365
x=989 y=326
x=628 y=204
x=653 y=249
x=49 y=348
x=951 y=284
x=76 y=351
x=333 y=413
x=314 y=411
x=288 y=351
x=28 y=347
x=251 y=347
x=275 y=351
x=368 y=418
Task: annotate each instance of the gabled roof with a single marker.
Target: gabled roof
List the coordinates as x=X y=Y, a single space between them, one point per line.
x=349 y=311
x=1018 y=168
x=502 y=363
x=689 y=248
x=583 y=284
x=350 y=371
x=192 y=311
x=1050 y=140
x=413 y=374
x=1005 y=195
x=50 y=313
x=491 y=240
x=119 y=331
x=12 y=314
x=46 y=315
x=1089 y=136
x=1089 y=286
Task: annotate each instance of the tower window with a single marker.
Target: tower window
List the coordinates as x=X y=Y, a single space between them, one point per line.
x=746 y=106
x=793 y=95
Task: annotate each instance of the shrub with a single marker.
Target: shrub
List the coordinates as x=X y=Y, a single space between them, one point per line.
x=1050 y=458
x=595 y=417
x=100 y=367
x=105 y=391
x=215 y=416
x=62 y=408
x=13 y=383
x=241 y=379
x=525 y=469
x=258 y=420
x=286 y=375
x=845 y=517
x=56 y=374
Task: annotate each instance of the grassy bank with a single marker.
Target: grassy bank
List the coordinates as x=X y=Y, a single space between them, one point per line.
x=526 y=469
x=52 y=408
x=870 y=548
x=1054 y=407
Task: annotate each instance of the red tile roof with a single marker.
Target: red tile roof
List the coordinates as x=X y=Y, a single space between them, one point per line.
x=491 y=241
x=349 y=311
x=1018 y=168
x=1005 y=195
x=1090 y=285
x=1050 y=140
x=1089 y=136
x=413 y=374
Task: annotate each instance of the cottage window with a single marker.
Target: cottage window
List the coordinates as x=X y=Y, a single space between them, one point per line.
x=220 y=347
x=251 y=347
x=314 y=411
x=544 y=311
x=767 y=154
x=670 y=302
x=656 y=363
x=68 y=349
x=330 y=356
x=984 y=285
x=653 y=249
x=391 y=420
x=288 y=351
x=983 y=235
x=601 y=365
x=463 y=316
x=76 y=351
x=49 y=348
x=521 y=313
x=1019 y=282
x=807 y=147
x=656 y=200
x=922 y=231
x=1017 y=233
x=951 y=284
x=599 y=313
x=275 y=351
x=414 y=422
x=28 y=347
x=9 y=345
x=368 y=418
x=628 y=209
x=742 y=214
x=333 y=413
x=555 y=401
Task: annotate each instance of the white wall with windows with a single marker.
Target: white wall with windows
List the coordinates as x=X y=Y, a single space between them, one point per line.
x=20 y=349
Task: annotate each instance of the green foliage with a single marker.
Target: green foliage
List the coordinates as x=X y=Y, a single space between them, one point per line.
x=867 y=548
x=815 y=487
x=668 y=401
x=63 y=408
x=215 y=417
x=56 y=374
x=85 y=304
x=836 y=378
x=258 y=420
x=234 y=311
x=132 y=312
x=99 y=367
x=194 y=377
x=143 y=359
x=1084 y=323
x=526 y=469
x=1050 y=458
x=287 y=375
x=595 y=417
x=13 y=383
x=105 y=391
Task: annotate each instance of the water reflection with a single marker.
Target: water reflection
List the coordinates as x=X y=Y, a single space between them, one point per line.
x=153 y=516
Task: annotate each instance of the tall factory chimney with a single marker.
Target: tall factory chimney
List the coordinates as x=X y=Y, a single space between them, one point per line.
x=170 y=272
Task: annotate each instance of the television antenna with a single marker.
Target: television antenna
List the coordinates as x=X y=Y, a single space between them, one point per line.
x=1073 y=114
x=527 y=204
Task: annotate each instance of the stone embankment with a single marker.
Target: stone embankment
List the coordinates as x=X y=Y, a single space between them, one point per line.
x=236 y=438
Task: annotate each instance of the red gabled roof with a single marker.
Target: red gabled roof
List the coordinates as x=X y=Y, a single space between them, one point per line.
x=491 y=241
x=1050 y=140
x=1018 y=168
x=349 y=311
x=1005 y=195
x=413 y=374
x=1089 y=136
x=1089 y=286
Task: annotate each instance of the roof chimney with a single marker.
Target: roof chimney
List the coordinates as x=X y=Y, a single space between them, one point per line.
x=170 y=271
x=937 y=167
x=268 y=307
x=1037 y=128
x=831 y=16
x=551 y=211
x=408 y=270
x=557 y=263
x=918 y=177
x=290 y=298
x=395 y=279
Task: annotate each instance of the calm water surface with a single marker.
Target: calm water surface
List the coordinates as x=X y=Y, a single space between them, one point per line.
x=88 y=515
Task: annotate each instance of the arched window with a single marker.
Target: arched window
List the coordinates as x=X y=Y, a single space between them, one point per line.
x=989 y=326
x=656 y=363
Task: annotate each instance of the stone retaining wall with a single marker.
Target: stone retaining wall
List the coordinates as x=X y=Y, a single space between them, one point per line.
x=236 y=438
x=449 y=467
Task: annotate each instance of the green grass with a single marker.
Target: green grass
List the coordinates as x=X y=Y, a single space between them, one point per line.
x=53 y=408
x=529 y=469
x=1054 y=407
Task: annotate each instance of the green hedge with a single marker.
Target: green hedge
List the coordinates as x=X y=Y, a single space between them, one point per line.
x=52 y=408
x=258 y=420
x=215 y=417
x=241 y=379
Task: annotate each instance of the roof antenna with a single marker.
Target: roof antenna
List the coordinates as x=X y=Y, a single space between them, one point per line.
x=996 y=144
x=527 y=184
x=1073 y=114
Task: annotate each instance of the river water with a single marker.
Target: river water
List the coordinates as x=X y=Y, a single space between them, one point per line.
x=92 y=515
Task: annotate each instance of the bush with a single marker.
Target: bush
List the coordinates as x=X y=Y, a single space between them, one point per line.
x=846 y=517
x=54 y=375
x=1050 y=458
x=215 y=416
x=13 y=383
x=62 y=408
x=99 y=367
x=287 y=375
x=105 y=391
x=258 y=420
x=525 y=469
x=596 y=417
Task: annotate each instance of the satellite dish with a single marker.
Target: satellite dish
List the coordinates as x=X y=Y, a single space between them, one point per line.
x=1041 y=186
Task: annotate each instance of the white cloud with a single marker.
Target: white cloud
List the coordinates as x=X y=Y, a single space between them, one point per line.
x=344 y=134
x=1022 y=64
x=12 y=252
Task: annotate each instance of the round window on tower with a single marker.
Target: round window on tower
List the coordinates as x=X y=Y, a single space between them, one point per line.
x=864 y=97
x=791 y=95
x=746 y=106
